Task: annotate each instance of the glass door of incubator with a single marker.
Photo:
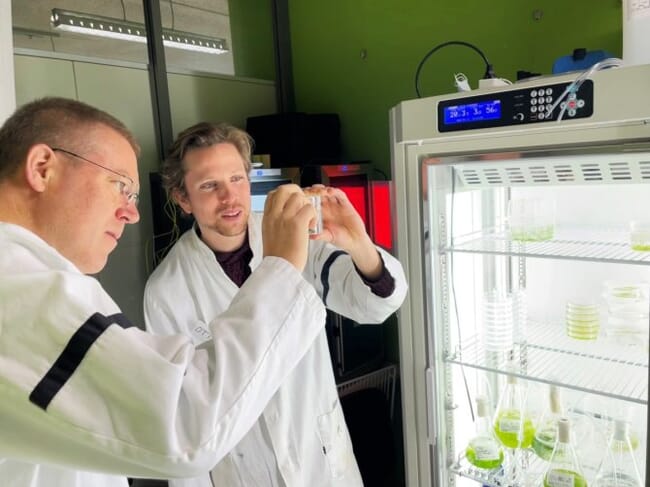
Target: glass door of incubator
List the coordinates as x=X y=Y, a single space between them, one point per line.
x=537 y=287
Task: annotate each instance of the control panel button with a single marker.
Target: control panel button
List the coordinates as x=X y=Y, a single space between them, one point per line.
x=571 y=112
x=581 y=103
x=533 y=93
x=549 y=91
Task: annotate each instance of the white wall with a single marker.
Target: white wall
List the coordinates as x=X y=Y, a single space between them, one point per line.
x=7 y=88
x=123 y=91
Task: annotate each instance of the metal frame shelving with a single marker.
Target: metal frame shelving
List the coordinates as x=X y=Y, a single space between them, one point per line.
x=608 y=245
x=545 y=353
x=553 y=358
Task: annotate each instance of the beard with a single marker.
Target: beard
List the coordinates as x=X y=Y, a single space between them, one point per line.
x=229 y=230
x=222 y=226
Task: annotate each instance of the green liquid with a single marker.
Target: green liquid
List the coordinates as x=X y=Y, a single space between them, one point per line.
x=508 y=433
x=534 y=235
x=619 y=446
x=578 y=480
x=641 y=247
x=476 y=453
x=543 y=443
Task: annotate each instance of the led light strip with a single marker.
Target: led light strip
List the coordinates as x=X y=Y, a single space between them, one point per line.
x=130 y=31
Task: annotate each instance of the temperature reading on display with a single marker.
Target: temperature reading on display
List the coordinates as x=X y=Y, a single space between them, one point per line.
x=473 y=112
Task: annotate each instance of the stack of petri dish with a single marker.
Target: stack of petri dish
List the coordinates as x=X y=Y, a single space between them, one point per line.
x=498 y=319
x=582 y=320
x=628 y=306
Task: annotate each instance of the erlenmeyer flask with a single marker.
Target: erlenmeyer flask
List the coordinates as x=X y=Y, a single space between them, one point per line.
x=546 y=428
x=513 y=427
x=619 y=467
x=484 y=451
x=511 y=424
x=564 y=468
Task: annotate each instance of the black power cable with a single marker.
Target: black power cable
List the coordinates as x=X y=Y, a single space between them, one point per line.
x=489 y=70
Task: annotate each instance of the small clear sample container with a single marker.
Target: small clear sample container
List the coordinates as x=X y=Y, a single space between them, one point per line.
x=640 y=235
x=318 y=227
x=531 y=219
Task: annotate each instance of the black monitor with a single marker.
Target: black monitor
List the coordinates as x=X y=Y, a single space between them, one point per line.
x=297 y=139
x=263 y=181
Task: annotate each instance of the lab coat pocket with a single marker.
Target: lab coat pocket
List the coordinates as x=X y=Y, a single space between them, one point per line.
x=335 y=441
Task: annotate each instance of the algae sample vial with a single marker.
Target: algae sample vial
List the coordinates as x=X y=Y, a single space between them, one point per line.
x=318 y=228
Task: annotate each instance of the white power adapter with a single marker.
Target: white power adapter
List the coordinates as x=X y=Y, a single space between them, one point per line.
x=461 y=82
x=492 y=82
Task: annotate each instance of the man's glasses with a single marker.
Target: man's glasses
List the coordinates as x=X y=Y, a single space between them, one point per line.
x=124 y=187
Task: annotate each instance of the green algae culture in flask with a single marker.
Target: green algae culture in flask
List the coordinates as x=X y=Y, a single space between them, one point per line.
x=619 y=467
x=546 y=428
x=512 y=426
x=484 y=451
x=564 y=468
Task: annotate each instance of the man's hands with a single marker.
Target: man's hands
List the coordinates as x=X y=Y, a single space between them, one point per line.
x=285 y=225
x=344 y=228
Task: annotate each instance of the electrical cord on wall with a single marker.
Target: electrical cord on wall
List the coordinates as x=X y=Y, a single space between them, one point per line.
x=489 y=71
x=174 y=234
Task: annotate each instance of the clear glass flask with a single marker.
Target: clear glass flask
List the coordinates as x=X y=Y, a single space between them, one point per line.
x=619 y=467
x=484 y=451
x=546 y=428
x=564 y=467
x=511 y=424
x=513 y=427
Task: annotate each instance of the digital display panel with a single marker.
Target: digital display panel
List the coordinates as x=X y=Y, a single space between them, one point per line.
x=473 y=112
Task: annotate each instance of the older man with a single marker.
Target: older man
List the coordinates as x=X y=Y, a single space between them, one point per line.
x=85 y=398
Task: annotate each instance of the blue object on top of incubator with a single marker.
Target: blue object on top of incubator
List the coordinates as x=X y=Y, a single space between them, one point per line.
x=580 y=59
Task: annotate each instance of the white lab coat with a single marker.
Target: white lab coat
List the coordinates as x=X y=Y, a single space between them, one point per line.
x=303 y=424
x=82 y=392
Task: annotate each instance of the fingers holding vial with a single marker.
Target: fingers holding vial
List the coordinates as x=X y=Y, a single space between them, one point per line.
x=316 y=225
x=287 y=216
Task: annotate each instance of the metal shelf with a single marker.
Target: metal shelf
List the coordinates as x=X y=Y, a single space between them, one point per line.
x=548 y=355
x=576 y=243
x=530 y=474
x=383 y=379
x=530 y=468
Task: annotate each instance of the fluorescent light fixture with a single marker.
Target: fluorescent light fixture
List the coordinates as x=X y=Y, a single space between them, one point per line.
x=96 y=25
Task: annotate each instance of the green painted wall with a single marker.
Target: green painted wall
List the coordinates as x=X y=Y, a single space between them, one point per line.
x=252 y=38
x=330 y=74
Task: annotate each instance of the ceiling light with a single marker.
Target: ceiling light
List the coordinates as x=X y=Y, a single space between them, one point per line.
x=130 y=31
